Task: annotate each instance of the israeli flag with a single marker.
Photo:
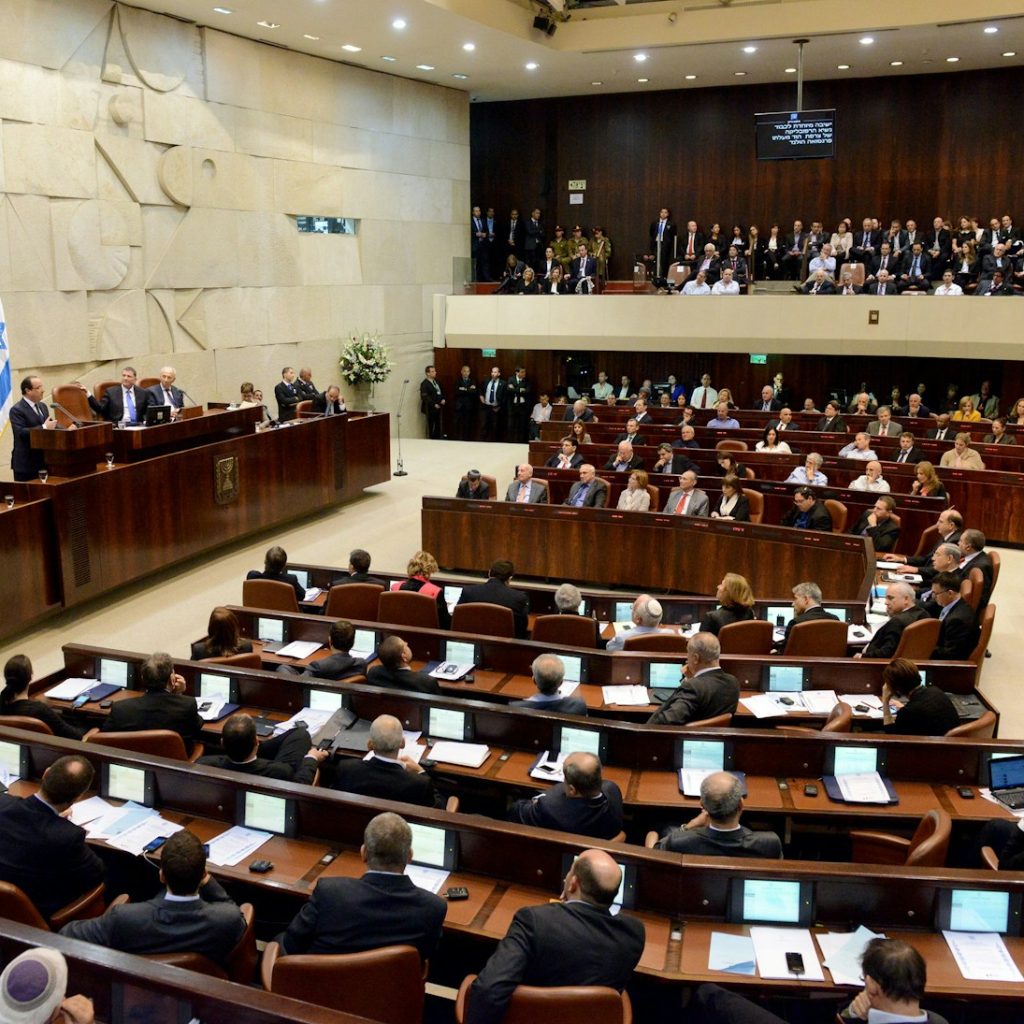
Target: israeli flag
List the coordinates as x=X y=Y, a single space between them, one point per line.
x=6 y=390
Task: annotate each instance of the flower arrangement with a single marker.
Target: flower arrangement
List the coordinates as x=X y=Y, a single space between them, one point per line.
x=365 y=360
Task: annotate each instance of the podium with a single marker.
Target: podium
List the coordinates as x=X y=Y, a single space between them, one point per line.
x=76 y=452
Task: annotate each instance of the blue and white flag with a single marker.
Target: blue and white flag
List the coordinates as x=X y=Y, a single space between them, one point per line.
x=6 y=390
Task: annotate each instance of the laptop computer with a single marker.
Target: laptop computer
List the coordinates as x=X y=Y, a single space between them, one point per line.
x=1006 y=780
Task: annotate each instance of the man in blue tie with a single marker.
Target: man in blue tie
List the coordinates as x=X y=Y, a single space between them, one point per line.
x=124 y=403
x=917 y=266
x=589 y=491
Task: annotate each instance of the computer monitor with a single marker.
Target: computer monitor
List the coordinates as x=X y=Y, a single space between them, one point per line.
x=567 y=739
x=841 y=759
x=463 y=652
x=581 y=608
x=115 y=672
x=626 y=896
x=270 y=630
x=325 y=700
x=120 y=782
x=302 y=575
x=575 y=668
x=267 y=813
x=215 y=687
x=842 y=614
x=784 y=678
x=434 y=847
x=623 y=611
x=445 y=724
x=663 y=675
x=157 y=414
x=978 y=910
x=452 y=595
x=14 y=759
x=771 y=901
x=364 y=643
x=779 y=615
x=706 y=755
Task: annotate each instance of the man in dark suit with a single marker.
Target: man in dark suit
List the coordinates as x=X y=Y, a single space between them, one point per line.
x=807 y=512
x=631 y=433
x=519 y=405
x=885 y=260
x=938 y=244
x=165 y=393
x=573 y=942
x=193 y=915
x=124 y=403
x=466 y=405
x=497 y=591
x=959 y=633
x=866 y=243
x=819 y=284
x=548 y=672
x=924 y=710
x=395 y=671
x=339 y=663
x=846 y=285
x=942 y=430
x=691 y=244
x=432 y=402
x=533 y=240
x=584 y=804
x=899 y=604
x=582 y=272
x=623 y=459
x=768 y=401
x=878 y=524
x=567 y=458
x=275 y=562
x=706 y=689
x=949 y=525
x=388 y=774
x=513 y=235
x=662 y=235
x=807 y=606
x=479 y=246
x=915 y=275
x=358 y=570
x=329 y=402
x=907 y=451
x=473 y=487
x=162 y=706
x=589 y=491
x=383 y=908
x=290 y=756
x=41 y=851
x=287 y=393
x=972 y=545
x=885 y=285
x=304 y=382
x=492 y=398
x=579 y=410
x=27 y=415
x=793 y=257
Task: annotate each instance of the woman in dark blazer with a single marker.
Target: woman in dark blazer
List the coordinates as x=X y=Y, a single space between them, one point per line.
x=733 y=504
x=736 y=604
x=222 y=639
x=14 y=700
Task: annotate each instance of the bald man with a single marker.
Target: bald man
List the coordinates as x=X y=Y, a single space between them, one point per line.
x=576 y=941
x=902 y=610
x=165 y=393
x=584 y=803
x=389 y=774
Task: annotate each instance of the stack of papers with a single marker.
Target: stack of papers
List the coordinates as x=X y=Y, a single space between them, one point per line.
x=863 y=788
x=567 y=689
x=89 y=810
x=312 y=593
x=134 y=840
x=70 y=689
x=632 y=696
x=468 y=755
x=299 y=649
x=732 y=953
x=117 y=820
x=819 y=702
x=842 y=952
x=763 y=706
x=982 y=956
x=314 y=719
x=771 y=946
x=427 y=878
x=548 y=767
x=236 y=844
x=882 y=563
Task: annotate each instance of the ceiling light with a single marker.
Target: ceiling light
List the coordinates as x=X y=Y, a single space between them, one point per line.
x=460 y=77
x=532 y=65
x=952 y=60
x=398 y=23
x=739 y=74
x=269 y=24
x=895 y=63
x=597 y=83
x=351 y=48
x=690 y=78
x=425 y=67
x=469 y=47
x=1010 y=53
x=642 y=81
x=990 y=30
x=866 y=40
x=639 y=57
x=790 y=71
x=389 y=59
x=843 y=67
x=750 y=49
x=222 y=10
x=306 y=35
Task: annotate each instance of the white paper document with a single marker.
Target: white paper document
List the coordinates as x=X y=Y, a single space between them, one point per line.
x=117 y=820
x=732 y=953
x=423 y=877
x=691 y=778
x=469 y=755
x=883 y=564
x=630 y=696
x=771 y=946
x=982 y=956
x=89 y=810
x=567 y=689
x=299 y=649
x=549 y=768
x=134 y=840
x=763 y=706
x=236 y=844
x=842 y=952
x=213 y=712
x=312 y=593
x=867 y=700
x=903 y=577
x=70 y=689
x=863 y=788
x=859 y=636
x=315 y=719
x=819 y=702
x=452 y=670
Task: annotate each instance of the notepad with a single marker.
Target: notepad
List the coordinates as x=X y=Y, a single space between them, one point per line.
x=299 y=649
x=982 y=956
x=731 y=953
x=628 y=696
x=763 y=706
x=771 y=946
x=70 y=689
x=468 y=755
x=863 y=788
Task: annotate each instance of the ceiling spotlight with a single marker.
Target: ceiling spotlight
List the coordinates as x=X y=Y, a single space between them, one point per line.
x=597 y=83
x=425 y=67
x=739 y=74
x=952 y=60
x=643 y=81
x=639 y=57
x=1010 y=53
x=389 y=59
x=990 y=30
x=222 y=10
x=690 y=78
x=866 y=40
x=269 y=24
x=469 y=47
x=461 y=78
x=352 y=49
x=306 y=35
x=398 y=23
x=532 y=65
x=790 y=71
x=750 y=49
x=843 y=67
x=895 y=63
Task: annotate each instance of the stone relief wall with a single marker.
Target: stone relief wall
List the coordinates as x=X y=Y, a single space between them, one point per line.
x=150 y=174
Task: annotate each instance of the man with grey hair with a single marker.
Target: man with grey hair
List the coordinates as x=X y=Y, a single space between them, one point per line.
x=687 y=499
x=716 y=831
x=809 y=473
x=806 y=608
x=972 y=545
x=884 y=425
x=548 y=672
x=568 y=599
x=388 y=774
x=945 y=558
x=624 y=460
x=524 y=489
x=383 y=908
x=902 y=610
x=584 y=804
x=706 y=689
x=646 y=618
x=165 y=393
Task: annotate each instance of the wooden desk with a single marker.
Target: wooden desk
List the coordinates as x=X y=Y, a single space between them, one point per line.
x=656 y=551
x=29 y=585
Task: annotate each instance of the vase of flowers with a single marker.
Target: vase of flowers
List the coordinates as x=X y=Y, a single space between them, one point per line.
x=364 y=363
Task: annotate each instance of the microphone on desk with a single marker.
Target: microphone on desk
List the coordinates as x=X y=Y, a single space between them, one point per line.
x=70 y=415
x=271 y=422
x=189 y=397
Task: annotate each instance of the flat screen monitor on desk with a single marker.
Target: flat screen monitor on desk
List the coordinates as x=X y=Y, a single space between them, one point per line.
x=325 y=700
x=663 y=675
x=217 y=687
x=434 y=847
x=272 y=632
x=784 y=678
x=623 y=611
x=978 y=910
x=462 y=652
x=770 y=901
x=567 y=739
x=575 y=668
x=445 y=724
x=302 y=575
x=120 y=782
x=14 y=761
x=704 y=755
x=115 y=672
x=843 y=759
x=156 y=414
x=267 y=813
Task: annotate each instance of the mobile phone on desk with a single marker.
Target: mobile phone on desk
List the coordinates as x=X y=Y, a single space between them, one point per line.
x=80 y=700
x=794 y=963
x=154 y=844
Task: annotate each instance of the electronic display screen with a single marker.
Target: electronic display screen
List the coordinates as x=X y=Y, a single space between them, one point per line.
x=664 y=674
x=771 y=900
x=325 y=700
x=707 y=755
x=780 y=614
x=795 y=134
x=460 y=651
x=839 y=613
x=432 y=846
x=270 y=629
x=214 y=687
x=364 y=643
x=10 y=760
x=114 y=672
x=581 y=608
x=444 y=724
x=267 y=813
x=573 y=668
x=979 y=910
x=785 y=678
x=569 y=740
x=851 y=760
x=452 y=595
x=623 y=611
x=125 y=783
x=302 y=575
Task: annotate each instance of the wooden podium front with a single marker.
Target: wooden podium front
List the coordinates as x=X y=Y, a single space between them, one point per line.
x=74 y=451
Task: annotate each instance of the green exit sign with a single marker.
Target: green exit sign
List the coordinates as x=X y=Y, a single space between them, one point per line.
x=757 y=359
x=488 y=353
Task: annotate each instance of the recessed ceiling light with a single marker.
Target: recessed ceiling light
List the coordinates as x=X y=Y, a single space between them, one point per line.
x=469 y=47
x=790 y=71
x=750 y=49
x=739 y=74
x=642 y=81
x=460 y=77
x=398 y=23
x=389 y=59
x=952 y=60
x=1010 y=53
x=639 y=57
x=532 y=65
x=690 y=78
x=306 y=35
x=866 y=40
x=351 y=48
x=843 y=67
x=222 y=10
x=425 y=67
x=990 y=30
x=269 y=24
x=597 y=83
x=895 y=63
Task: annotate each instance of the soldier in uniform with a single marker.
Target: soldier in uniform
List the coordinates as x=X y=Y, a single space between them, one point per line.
x=601 y=250
x=577 y=239
x=562 y=249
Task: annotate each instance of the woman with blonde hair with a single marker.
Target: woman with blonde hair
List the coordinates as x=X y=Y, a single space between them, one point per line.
x=735 y=604
x=966 y=412
x=421 y=567
x=635 y=497
x=927 y=484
